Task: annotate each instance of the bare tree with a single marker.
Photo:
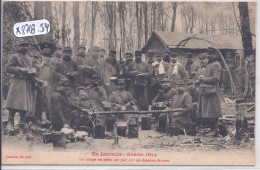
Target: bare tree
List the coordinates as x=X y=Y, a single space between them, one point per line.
x=145 y=8
x=76 y=25
x=95 y=8
x=122 y=16
x=63 y=31
x=174 y=9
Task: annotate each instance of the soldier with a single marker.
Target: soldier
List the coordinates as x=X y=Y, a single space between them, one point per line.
x=68 y=68
x=94 y=61
x=209 y=109
x=140 y=71
x=176 y=70
x=189 y=63
x=57 y=57
x=194 y=92
x=112 y=70
x=180 y=122
x=150 y=55
x=129 y=79
x=81 y=55
x=62 y=115
x=165 y=94
x=22 y=92
x=122 y=100
x=97 y=93
x=85 y=72
x=46 y=74
x=160 y=71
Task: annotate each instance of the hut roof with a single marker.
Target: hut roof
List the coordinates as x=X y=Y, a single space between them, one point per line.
x=172 y=39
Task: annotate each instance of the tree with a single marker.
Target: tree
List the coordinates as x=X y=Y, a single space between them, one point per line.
x=174 y=9
x=76 y=25
x=49 y=17
x=145 y=8
x=122 y=16
x=245 y=28
x=63 y=31
x=95 y=8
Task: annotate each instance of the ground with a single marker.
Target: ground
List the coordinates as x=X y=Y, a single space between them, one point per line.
x=148 y=141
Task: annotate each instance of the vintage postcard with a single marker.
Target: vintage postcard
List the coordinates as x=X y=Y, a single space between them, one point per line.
x=128 y=83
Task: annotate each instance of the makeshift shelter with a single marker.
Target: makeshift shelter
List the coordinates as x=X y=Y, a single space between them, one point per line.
x=162 y=40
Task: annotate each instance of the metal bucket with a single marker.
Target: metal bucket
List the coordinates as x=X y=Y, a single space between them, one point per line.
x=59 y=140
x=133 y=131
x=121 y=130
x=146 y=123
x=47 y=138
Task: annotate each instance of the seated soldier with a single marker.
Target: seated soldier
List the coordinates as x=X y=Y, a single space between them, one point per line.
x=83 y=102
x=165 y=94
x=122 y=100
x=194 y=92
x=62 y=115
x=180 y=122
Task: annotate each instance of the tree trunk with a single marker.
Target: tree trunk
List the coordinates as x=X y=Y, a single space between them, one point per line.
x=145 y=7
x=93 y=21
x=122 y=13
x=63 y=34
x=154 y=15
x=76 y=26
x=245 y=28
x=48 y=16
x=38 y=14
x=174 y=9
x=85 y=23
x=137 y=11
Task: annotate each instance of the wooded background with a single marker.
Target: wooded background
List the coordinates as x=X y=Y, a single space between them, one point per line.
x=123 y=25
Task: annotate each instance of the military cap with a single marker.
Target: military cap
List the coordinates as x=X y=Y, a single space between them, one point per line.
x=173 y=54
x=189 y=55
x=112 y=51
x=58 y=47
x=22 y=42
x=150 y=53
x=102 y=49
x=82 y=46
x=95 y=77
x=157 y=54
x=95 y=49
x=203 y=55
x=211 y=50
x=64 y=82
x=164 y=80
x=67 y=49
x=179 y=82
x=46 y=48
x=81 y=88
x=128 y=53
x=138 y=52
x=121 y=81
x=190 y=81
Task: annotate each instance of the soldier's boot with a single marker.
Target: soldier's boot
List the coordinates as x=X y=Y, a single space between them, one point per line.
x=22 y=120
x=10 y=124
x=44 y=119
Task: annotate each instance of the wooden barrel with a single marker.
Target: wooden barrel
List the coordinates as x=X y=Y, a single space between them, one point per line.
x=146 y=123
x=133 y=130
x=110 y=124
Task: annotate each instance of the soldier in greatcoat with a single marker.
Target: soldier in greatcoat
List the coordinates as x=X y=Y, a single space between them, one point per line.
x=22 y=92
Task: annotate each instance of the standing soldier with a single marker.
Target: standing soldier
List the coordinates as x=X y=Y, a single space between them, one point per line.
x=84 y=72
x=176 y=70
x=57 y=57
x=68 y=68
x=160 y=71
x=140 y=71
x=112 y=70
x=129 y=80
x=22 y=93
x=46 y=74
x=209 y=109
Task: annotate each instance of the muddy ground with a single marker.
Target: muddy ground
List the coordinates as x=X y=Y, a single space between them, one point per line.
x=149 y=140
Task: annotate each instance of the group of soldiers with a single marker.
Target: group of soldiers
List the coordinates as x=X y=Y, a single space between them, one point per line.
x=50 y=85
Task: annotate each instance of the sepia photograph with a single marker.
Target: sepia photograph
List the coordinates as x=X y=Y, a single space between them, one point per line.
x=128 y=83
